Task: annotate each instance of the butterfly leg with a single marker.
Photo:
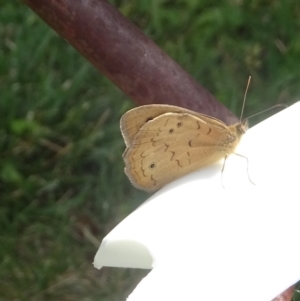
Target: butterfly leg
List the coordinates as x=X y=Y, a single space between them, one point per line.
x=247 y=166
x=225 y=158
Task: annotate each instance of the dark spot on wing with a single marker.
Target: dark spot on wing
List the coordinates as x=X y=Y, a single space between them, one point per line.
x=152 y=165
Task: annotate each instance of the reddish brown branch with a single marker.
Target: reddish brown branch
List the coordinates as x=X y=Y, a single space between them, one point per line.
x=126 y=56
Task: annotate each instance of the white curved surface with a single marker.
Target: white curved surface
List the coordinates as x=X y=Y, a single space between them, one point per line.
x=210 y=243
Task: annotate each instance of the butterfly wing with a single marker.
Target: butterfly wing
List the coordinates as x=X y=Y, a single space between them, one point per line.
x=134 y=119
x=172 y=145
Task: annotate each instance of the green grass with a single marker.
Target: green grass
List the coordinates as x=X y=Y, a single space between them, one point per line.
x=60 y=179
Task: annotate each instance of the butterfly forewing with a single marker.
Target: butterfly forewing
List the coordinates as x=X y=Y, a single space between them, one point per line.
x=134 y=119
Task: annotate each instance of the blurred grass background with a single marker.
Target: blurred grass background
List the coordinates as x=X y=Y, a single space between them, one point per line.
x=62 y=186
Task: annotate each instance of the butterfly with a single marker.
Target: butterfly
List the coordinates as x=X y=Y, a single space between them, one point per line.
x=165 y=142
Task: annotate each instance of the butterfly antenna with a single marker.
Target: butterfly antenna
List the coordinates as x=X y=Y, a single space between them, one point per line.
x=266 y=110
x=248 y=84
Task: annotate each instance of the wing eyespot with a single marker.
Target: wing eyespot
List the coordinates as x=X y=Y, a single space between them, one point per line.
x=179 y=124
x=152 y=166
x=171 y=131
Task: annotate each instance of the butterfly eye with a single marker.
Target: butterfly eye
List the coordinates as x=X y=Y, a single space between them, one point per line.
x=171 y=131
x=179 y=124
x=152 y=165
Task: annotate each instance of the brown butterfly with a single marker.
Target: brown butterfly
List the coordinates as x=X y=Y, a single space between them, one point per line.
x=165 y=142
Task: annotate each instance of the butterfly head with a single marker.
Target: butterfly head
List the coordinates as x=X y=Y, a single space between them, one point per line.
x=242 y=127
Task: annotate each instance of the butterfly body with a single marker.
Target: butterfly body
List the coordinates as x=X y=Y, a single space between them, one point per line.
x=166 y=142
